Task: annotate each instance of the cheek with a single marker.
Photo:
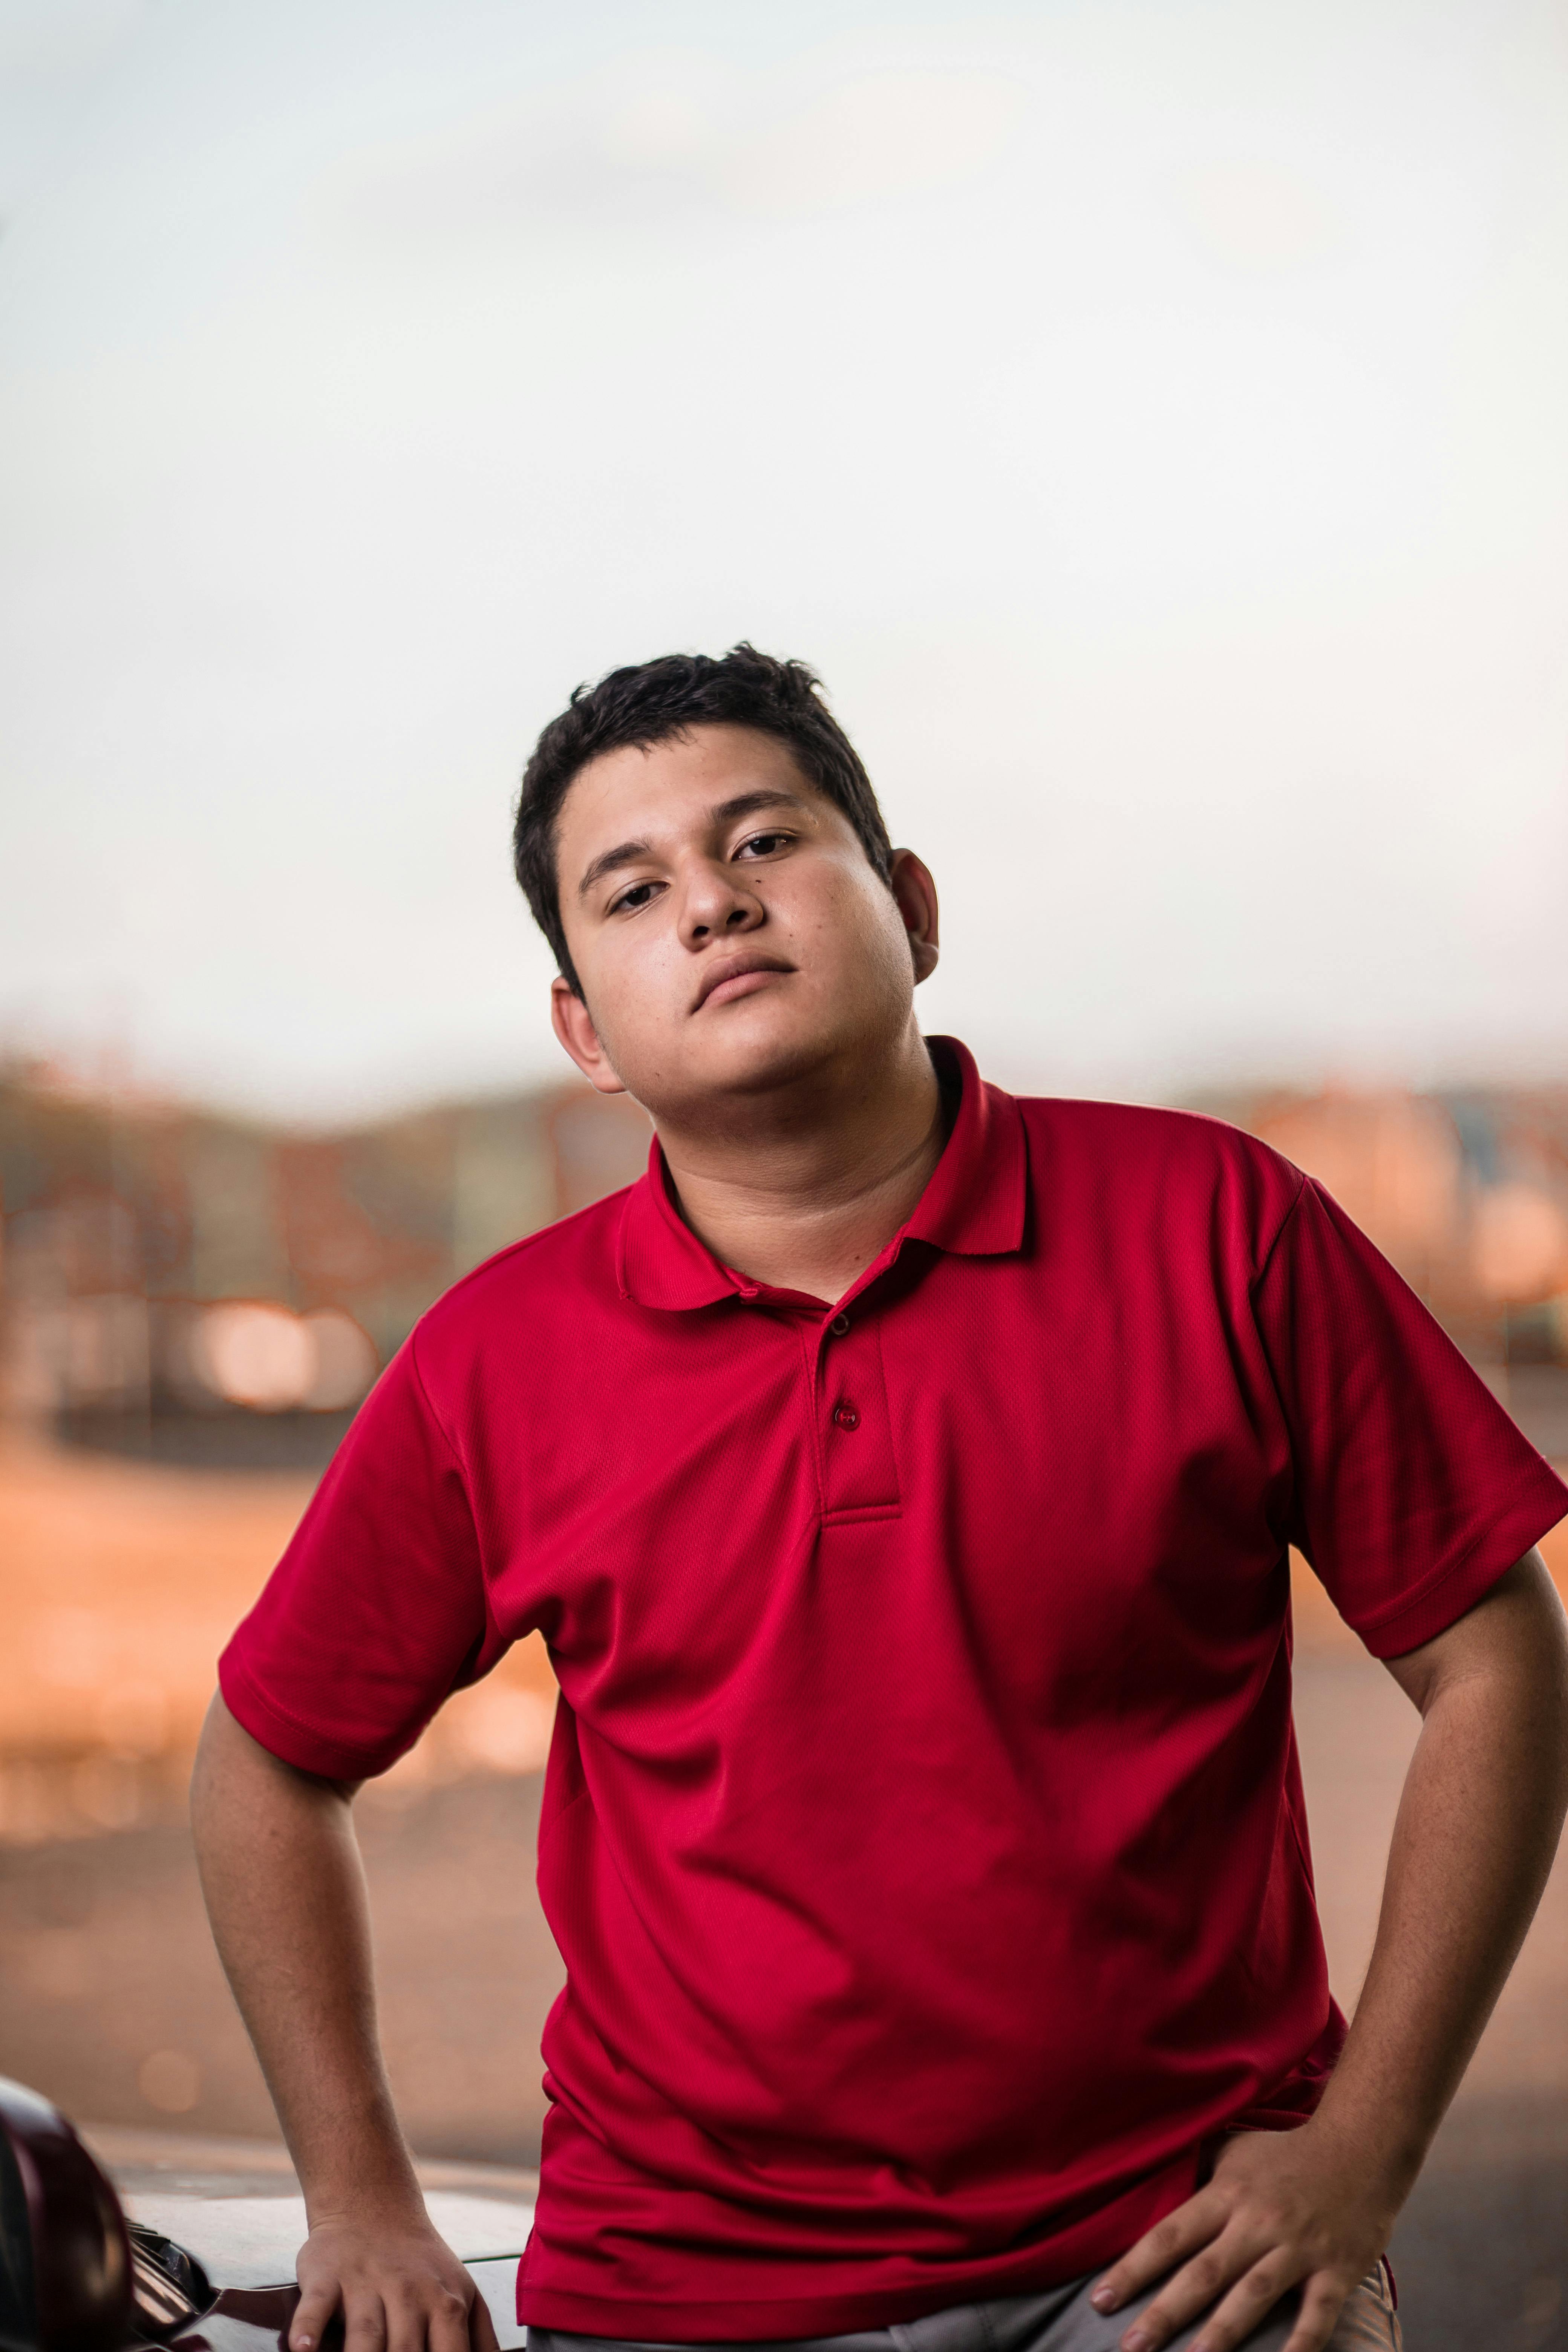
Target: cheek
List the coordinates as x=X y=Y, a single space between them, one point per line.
x=627 y=990
x=858 y=932
x=636 y=990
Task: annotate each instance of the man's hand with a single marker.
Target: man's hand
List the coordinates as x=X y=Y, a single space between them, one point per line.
x=1283 y=2209
x=397 y=2285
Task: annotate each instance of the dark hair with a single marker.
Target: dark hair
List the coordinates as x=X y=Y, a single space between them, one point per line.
x=657 y=700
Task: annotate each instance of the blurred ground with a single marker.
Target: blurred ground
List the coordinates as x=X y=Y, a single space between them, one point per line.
x=120 y=1582
x=112 y=2001
x=114 y=2004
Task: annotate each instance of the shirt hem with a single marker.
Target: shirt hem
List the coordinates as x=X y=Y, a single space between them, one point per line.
x=1089 y=2243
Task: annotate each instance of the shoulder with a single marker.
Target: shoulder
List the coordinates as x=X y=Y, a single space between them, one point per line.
x=1178 y=1168
x=553 y=1276
x=1140 y=1134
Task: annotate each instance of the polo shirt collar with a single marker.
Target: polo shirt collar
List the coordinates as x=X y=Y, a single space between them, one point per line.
x=973 y=1206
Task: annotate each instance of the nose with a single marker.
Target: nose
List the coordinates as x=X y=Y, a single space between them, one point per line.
x=716 y=907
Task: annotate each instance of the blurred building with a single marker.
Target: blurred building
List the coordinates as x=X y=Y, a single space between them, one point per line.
x=1466 y=1193
x=203 y=1288
x=208 y=1288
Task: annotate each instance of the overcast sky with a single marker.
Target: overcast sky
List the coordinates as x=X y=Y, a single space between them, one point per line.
x=1148 y=417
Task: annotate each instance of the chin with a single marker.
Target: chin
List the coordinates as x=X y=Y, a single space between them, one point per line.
x=771 y=1049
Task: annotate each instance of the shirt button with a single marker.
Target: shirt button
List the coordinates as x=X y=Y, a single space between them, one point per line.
x=845 y=1417
x=839 y=1324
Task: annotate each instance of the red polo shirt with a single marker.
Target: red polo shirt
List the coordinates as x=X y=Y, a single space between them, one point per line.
x=922 y=1832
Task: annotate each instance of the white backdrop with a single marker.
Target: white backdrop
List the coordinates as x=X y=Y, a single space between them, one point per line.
x=1149 y=417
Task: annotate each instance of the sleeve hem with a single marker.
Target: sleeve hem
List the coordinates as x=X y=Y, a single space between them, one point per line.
x=1449 y=1598
x=291 y=1741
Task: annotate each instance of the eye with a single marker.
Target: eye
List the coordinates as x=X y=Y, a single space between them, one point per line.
x=764 y=845
x=639 y=895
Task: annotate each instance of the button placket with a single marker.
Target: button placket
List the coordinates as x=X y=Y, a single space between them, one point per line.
x=859 y=1473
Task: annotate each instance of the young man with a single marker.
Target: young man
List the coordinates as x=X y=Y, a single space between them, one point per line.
x=902 y=1475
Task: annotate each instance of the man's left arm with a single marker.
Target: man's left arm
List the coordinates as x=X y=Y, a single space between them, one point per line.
x=1478 y=1826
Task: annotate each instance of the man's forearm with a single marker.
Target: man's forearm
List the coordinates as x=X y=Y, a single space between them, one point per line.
x=285 y=1890
x=1478 y=1826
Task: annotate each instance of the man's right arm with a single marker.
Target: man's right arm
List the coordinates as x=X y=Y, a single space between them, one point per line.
x=285 y=1891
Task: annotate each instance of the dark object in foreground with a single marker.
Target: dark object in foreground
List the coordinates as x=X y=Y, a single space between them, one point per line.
x=77 y=2276
x=66 y=2279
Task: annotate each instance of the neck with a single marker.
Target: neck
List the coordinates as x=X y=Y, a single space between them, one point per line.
x=815 y=1182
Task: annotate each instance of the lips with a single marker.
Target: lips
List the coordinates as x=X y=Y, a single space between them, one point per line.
x=736 y=967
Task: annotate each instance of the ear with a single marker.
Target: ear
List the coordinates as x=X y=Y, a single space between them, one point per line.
x=914 y=894
x=573 y=1023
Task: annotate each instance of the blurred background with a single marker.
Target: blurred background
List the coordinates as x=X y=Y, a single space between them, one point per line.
x=1147 y=416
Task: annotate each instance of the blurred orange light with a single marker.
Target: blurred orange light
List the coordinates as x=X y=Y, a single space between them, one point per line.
x=251 y=1353
x=1519 y=1244
x=345 y=1362
x=255 y=1355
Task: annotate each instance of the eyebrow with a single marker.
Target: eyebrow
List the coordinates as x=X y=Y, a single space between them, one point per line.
x=628 y=853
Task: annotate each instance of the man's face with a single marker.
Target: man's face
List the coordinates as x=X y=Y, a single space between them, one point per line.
x=730 y=932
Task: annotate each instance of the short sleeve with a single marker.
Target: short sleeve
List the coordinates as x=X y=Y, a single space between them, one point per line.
x=376 y=1610
x=1413 y=1490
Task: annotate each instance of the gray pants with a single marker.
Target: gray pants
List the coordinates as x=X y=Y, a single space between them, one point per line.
x=1062 y=2319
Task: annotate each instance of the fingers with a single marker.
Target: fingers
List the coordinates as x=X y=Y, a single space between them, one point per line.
x=364 y=2322
x=409 y=2317
x=446 y=2321
x=1248 y=2304
x=1236 y=2305
x=1322 y=2303
x=421 y=2315
x=314 y=2311
x=398 y=2288
x=1278 y=2214
x=1158 y=2251
x=1196 y=2288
